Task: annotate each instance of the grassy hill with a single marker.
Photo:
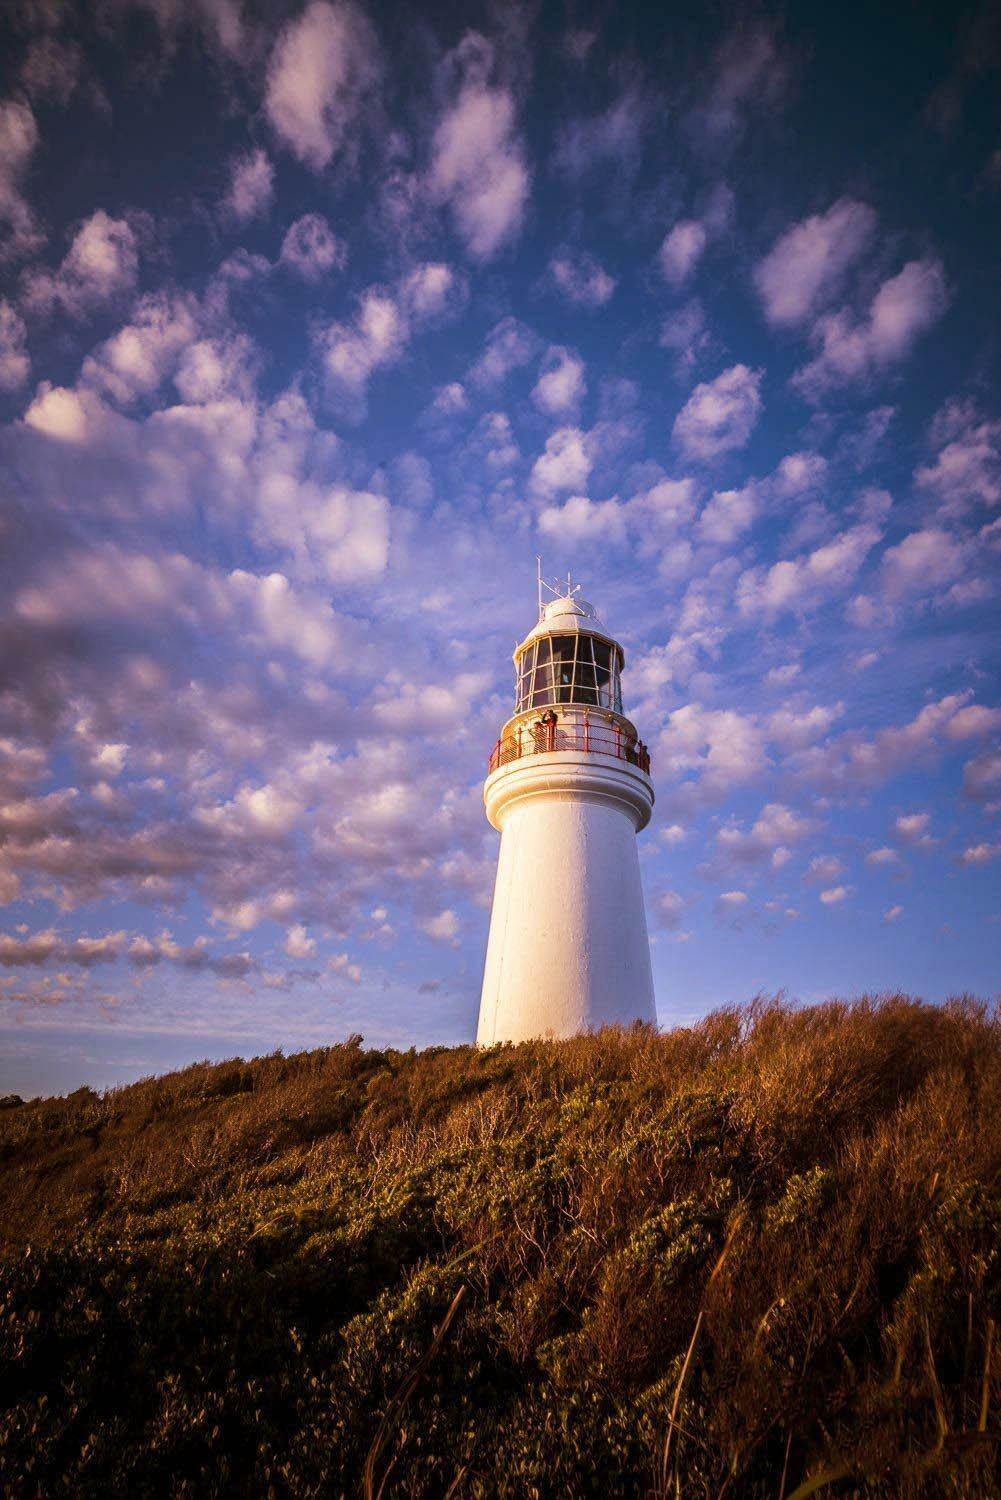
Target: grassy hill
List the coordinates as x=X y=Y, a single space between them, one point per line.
x=735 y=1259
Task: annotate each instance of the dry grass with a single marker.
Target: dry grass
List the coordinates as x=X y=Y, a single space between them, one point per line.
x=758 y=1256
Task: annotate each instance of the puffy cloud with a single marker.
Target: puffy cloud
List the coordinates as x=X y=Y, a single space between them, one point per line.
x=581 y=279
x=685 y=244
x=883 y=856
x=351 y=353
x=14 y=361
x=893 y=914
x=853 y=759
x=52 y=69
x=670 y=908
x=322 y=76
x=49 y=946
x=975 y=855
x=100 y=267
x=793 y=728
x=684 y=331
x=967 y=467
x=478 y=163
x=727 y=515
x=509 y=345
x=803 y=583
x=251 y=186
x=824 y=867
x=721 y=746
x=18 y=141
x=444 y=927
x=806 y=266
x=560 y=386
x=798 y=474
x=769 y=837
x=914 y=829
x=311 y=249
x=583 y=520
x=719 y=416
x=682 y=250
x=137 y=359
x=750 y=72
x=982 y=776
x=565 y=464
x=432 y=291
x=298 y=943
x=853 y=350
x=924 y=562
x=835 y=895
x=612 y=138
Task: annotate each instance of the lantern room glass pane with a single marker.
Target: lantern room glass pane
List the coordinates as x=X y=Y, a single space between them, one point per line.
x=569 y=669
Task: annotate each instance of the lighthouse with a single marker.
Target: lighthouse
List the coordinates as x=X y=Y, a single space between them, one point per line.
x=569 y=789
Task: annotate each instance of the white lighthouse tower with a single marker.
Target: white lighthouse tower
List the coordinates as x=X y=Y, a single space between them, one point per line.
x=569 y=788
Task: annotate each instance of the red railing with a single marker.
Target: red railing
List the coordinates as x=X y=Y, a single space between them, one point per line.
x=573 y=734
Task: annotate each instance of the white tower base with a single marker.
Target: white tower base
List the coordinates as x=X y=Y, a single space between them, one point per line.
x=568 y=949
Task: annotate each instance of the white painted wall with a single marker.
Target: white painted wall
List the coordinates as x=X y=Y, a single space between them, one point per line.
x=568 y=948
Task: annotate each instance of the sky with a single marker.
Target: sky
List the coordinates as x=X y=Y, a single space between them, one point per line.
x=318 y=324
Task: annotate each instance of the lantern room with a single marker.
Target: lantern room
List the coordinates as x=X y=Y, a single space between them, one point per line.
x=569 y=658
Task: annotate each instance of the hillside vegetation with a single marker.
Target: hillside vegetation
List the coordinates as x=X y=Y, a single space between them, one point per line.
x=758 y=1256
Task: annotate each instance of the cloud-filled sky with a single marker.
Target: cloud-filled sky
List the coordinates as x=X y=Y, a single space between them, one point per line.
x=318 y=323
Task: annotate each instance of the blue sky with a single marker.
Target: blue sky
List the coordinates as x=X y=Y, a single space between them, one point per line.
x=318 y=324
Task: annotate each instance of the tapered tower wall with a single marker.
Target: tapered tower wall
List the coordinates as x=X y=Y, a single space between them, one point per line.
x=568 y=948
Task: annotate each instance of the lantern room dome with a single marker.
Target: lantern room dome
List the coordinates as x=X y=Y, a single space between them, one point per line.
x=566 y=615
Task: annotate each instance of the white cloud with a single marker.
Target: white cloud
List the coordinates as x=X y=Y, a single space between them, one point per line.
x=581 y=278
x=298 y=943
x=824 y=867
x=560 y=387
x=14 y=361
x=322 y=74
x=798 y=474
x=478 y=163
x=682 y=250
x=351 y=352
x=835 y=895
x=750 y=71
x=18 y=141
x=769 y=837
x=139 y=357
x=311 y=248
x=684 y=331
x=883 y=856
x=444 y=928
x=853 y=350
x=915 y=829
x=583 y=520
x=967 y=467
x=100 y=267
x=565 y=464
x=979 y=854
x=924 y=562
x=803 y=583
x=251 y=186
x=893 y=914
x=612 y=138
x=509 y=345
x=806 y=267
x=727 y=515
x=670 y=908
x=720 y=414
x=982 y=776
x=432 y=291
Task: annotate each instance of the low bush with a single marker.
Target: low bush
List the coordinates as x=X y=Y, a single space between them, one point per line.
x=756 y=1256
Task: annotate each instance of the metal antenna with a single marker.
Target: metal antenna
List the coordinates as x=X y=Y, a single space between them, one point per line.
x=538 y=569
